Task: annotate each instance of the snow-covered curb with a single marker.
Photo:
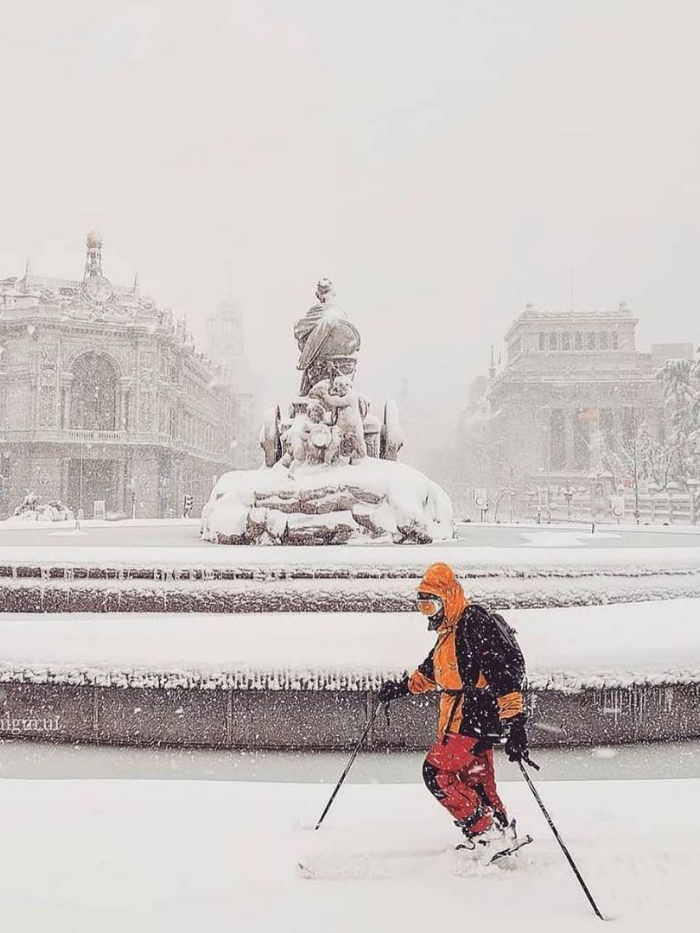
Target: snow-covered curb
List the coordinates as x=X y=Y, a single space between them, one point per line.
x=567 y=650
x=346 y=562
x=378 y=596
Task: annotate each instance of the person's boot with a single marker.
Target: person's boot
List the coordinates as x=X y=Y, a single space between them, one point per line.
x=482 y=839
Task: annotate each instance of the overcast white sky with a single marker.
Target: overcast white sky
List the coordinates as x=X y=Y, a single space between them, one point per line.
x=444 y=162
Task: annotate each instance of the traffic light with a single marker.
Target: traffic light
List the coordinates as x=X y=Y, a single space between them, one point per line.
x=189 y=503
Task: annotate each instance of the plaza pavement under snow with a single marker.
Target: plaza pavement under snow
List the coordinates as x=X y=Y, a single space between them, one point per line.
x=151 y=856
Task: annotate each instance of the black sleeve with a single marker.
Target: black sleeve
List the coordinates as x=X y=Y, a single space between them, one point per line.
x=427 y=667
x=423 y=678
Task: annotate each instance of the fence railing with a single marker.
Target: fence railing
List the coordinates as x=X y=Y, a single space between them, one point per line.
x=682 y=508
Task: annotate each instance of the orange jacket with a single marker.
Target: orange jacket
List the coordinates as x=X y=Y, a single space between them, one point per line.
x=480 y=679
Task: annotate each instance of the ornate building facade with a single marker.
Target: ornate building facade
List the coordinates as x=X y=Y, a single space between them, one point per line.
x=573 y=388
x=104 y=399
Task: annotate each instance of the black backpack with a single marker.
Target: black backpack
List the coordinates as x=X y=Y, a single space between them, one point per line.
x=510 y=649
x=507 y=635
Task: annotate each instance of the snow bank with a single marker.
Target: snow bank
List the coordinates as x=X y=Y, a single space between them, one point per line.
x=166 y=593
x=211 y=855
x=375 y=499
x=569 y=649
x=42 y=514
x=360 y=562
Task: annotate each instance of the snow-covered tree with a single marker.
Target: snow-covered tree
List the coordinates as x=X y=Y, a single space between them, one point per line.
x=681 y=388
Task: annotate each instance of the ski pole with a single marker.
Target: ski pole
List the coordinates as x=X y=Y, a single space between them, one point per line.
x=350 y=763
x=560 y=841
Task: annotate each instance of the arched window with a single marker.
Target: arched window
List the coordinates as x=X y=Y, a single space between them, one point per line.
x=94 y=393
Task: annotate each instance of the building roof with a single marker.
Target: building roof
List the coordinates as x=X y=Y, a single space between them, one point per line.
x=94 y=300
x=530 y=318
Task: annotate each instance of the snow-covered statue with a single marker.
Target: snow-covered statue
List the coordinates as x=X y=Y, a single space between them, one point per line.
x=310 y=439
x=350 y=409
x=330 y=473
x=323 y=439
x=327 y=341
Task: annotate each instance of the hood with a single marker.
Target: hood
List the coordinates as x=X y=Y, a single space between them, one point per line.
x=440 y=580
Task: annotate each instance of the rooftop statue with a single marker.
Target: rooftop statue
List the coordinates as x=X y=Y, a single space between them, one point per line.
x=327 y=340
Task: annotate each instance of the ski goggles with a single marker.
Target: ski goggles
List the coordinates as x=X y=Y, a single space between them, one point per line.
x=428 y=604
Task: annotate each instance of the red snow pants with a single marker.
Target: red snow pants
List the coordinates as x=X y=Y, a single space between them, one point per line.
x=464 y=783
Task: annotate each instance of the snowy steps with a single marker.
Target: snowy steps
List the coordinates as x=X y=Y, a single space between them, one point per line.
x=335 y=563
x=285 y=648
x=327 y=579
x=104 y=594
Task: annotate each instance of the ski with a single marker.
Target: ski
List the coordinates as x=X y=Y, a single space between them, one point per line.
x=510 y=850
x=402 y=864
x=500 y=853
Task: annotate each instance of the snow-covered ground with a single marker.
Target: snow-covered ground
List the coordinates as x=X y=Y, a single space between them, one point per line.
x=180 y=856
x=607 y=527
x=15 y=522
x=611 y=646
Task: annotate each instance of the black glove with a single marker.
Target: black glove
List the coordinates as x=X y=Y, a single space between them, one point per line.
x=392 y=690
x=516 y=739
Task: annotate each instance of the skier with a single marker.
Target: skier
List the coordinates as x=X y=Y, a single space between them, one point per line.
x=479 y=670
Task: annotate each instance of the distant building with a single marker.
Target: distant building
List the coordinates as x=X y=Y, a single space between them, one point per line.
x=104 y=399
x=225 y=344
x=573 y=386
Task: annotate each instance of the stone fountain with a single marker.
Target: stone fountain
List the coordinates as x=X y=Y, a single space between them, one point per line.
x=331 y=474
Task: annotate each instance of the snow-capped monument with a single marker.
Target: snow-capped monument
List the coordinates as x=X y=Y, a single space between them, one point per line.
x=330 y=474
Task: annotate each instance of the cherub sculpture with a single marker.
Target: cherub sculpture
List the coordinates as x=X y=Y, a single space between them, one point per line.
x=310 y=439
x=350 y=408
x=323 y=441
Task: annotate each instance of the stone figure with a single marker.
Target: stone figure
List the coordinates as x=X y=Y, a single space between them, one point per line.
x=350 y=408
x=323 y=440
x=310 y=439
x=293 y=442
x=327 y=341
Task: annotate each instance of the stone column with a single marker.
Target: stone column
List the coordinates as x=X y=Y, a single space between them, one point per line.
x=569 y=417
x=124 y=423
x=66 y=382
